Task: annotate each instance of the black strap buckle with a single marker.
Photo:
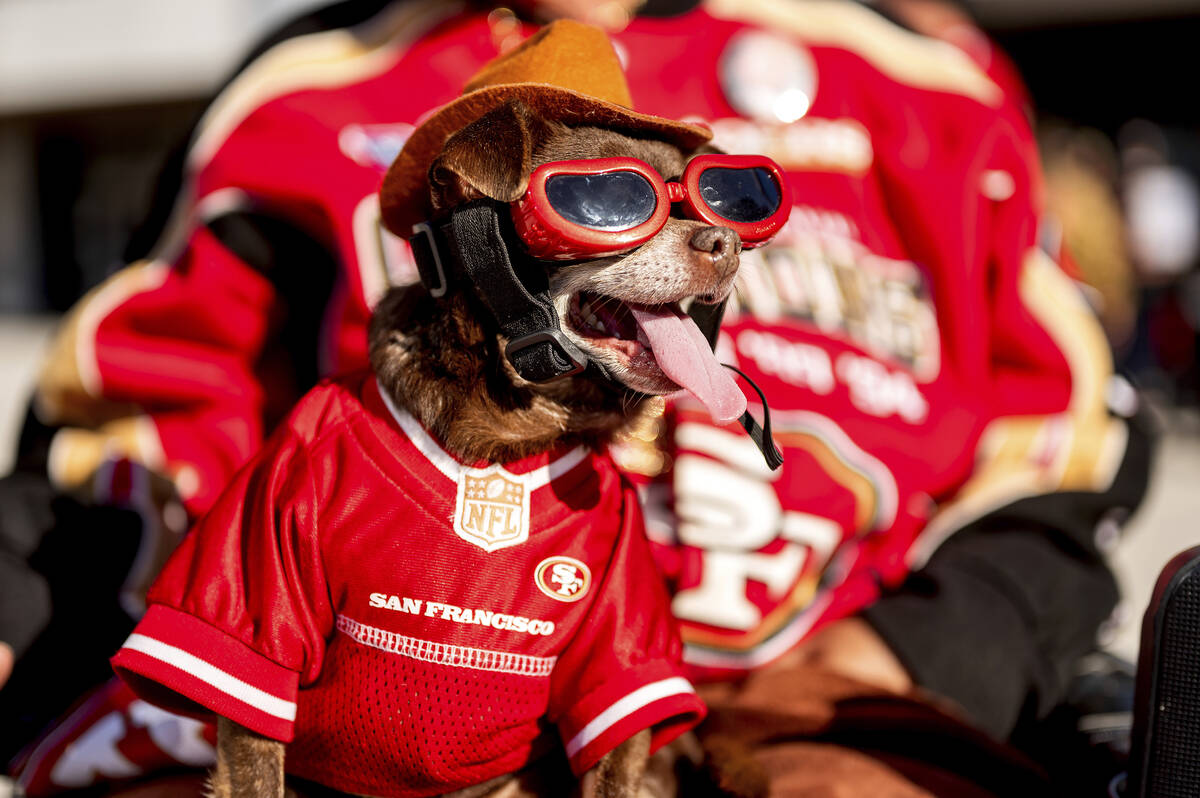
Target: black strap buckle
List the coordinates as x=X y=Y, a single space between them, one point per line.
x=570 y=359
x=428 y=259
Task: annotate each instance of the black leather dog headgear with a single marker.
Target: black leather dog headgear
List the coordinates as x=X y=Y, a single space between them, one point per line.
x=476 y=245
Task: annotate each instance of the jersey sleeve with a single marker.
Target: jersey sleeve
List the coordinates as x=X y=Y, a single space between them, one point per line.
x=238 y=618
x=622 y=673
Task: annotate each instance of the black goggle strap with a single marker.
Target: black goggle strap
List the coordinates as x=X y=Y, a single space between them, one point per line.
x=761 y=435
x=473 y=242
x=708 y=319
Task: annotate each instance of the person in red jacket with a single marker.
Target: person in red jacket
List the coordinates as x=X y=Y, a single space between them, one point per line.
x=938 y=386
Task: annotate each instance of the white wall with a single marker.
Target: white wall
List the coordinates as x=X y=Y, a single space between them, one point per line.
x=79 y=53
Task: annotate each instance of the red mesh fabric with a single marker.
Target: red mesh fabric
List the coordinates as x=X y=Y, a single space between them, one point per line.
x=376 y=720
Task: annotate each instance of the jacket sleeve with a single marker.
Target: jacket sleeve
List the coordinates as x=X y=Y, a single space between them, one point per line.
x=1010 y=580
x=180 y=365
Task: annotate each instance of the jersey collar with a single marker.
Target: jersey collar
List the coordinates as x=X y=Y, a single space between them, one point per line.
x=543 y=471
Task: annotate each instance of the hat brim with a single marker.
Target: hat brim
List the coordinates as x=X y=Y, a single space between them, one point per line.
x=404 y=196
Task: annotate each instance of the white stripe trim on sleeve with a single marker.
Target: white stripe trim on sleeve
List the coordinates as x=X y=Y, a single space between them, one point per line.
x=214 y=676
x=639 y=698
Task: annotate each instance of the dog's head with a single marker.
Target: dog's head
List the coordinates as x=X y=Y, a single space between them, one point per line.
x=609 y=307
x=624 y=312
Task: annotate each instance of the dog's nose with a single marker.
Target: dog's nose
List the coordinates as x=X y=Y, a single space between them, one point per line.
x=722 y=243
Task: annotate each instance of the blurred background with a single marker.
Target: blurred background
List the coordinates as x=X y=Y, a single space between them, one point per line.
x=97 y=95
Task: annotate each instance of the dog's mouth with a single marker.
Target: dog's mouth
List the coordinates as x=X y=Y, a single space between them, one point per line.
x=658 y=348
x=609 y=322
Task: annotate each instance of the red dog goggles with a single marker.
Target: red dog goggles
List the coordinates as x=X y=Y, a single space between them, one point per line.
x=604 y=206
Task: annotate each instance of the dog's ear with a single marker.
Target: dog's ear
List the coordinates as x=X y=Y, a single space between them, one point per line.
x=491 y=157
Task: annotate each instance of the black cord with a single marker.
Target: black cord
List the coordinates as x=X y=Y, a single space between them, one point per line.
x=761 y=435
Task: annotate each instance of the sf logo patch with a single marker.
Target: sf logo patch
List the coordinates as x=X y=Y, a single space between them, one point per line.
x=563 y=578
x=492 y=509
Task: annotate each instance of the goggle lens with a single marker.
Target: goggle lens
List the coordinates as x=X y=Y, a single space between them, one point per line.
x=611 y=201
x=740 y=195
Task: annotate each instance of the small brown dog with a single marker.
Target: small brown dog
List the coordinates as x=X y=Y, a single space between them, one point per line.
x=443 y=363
x=554 y=282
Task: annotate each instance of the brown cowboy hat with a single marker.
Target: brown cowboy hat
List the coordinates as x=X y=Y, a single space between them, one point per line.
x=567 y=71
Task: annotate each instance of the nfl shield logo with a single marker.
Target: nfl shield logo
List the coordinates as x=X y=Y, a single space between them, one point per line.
x=492 y=510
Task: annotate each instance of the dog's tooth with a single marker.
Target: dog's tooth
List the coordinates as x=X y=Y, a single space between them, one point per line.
x=589 y=315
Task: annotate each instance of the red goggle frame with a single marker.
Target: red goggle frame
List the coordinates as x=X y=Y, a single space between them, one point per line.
x=605 y=206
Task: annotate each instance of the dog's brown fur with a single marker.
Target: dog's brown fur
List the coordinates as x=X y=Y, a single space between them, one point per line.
x=443 y=363
x=247 y=763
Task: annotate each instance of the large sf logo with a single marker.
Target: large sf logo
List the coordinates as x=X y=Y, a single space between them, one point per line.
x=492 y=510
x=563 y=578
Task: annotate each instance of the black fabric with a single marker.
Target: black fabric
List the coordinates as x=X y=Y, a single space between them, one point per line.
x=515 y=291
x=33 y=443
x=994 y=622
x=666 y=8
x=24 y=603
x=1000 y=614
x=25 y=518
x=78 y=567
x=25 y=512
x=302 y=269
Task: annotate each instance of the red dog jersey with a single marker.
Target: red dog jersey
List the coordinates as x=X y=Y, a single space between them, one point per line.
x=408 y=623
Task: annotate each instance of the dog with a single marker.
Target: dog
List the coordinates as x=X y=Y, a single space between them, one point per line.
x=444 y=365
x=560 y=237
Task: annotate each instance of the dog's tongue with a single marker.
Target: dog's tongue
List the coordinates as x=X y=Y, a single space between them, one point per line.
x=684 y=355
